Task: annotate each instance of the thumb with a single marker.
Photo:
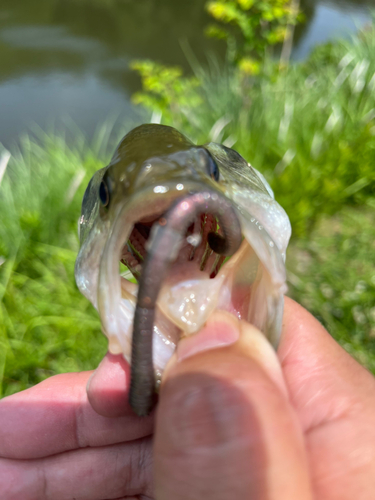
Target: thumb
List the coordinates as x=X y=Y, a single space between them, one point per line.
x=225 y=428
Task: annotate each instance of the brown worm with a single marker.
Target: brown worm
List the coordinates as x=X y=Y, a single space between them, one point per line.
x=163 y=248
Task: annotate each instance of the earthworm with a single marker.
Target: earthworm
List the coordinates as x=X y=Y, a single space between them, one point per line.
x=163 y=246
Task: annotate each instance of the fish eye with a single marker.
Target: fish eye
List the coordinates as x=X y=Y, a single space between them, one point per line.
x=213 y=169
x=104 y=193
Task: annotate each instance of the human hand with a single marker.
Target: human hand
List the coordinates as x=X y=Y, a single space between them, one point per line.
x=54 y=446
x=231 y=423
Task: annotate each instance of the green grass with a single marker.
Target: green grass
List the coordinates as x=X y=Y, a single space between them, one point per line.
x=310 y=129
x=46 y=325
x=332 y=274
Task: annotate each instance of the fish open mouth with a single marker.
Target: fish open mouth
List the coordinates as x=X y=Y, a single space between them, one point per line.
x=199 y=242
x=190 y=288
x=197 y=278
x=195 y=248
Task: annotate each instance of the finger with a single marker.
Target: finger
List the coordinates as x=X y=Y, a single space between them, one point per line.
x=224 y=426
x=56 y=416
x=335 y=400
x=318 y=370
x=109 y=385
x=109 y=472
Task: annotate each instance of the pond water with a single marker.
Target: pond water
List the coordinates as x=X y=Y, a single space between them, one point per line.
x=68 y=60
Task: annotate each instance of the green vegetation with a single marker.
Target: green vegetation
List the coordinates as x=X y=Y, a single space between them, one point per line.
x=46 y=325
x=251 y=26
x=310 y=128
x=332 y=274
x=167 y=90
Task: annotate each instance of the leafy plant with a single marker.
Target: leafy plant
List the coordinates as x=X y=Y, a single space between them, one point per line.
x=165 y=90
x=250 y=26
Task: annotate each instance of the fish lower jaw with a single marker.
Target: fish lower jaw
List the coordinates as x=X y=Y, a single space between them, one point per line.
x=189 y=296
x=186 y=300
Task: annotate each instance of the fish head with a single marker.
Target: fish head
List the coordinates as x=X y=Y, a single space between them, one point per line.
x=152 y=167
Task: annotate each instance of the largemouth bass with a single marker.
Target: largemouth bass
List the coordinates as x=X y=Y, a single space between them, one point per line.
x=152 y=168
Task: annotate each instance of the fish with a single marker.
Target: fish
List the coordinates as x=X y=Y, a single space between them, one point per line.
x=152 y=169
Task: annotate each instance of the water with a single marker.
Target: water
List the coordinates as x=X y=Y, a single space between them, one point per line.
x=328 y=20
x=68 y=60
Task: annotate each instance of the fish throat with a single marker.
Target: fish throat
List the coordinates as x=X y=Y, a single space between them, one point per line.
x=200 y=241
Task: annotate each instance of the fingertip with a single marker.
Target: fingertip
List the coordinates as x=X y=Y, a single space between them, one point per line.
x=107 y=388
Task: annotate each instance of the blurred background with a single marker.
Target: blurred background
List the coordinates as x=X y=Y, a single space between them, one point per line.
x=290 y=84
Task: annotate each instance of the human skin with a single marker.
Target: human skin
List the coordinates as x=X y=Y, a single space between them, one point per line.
x=233 y=421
